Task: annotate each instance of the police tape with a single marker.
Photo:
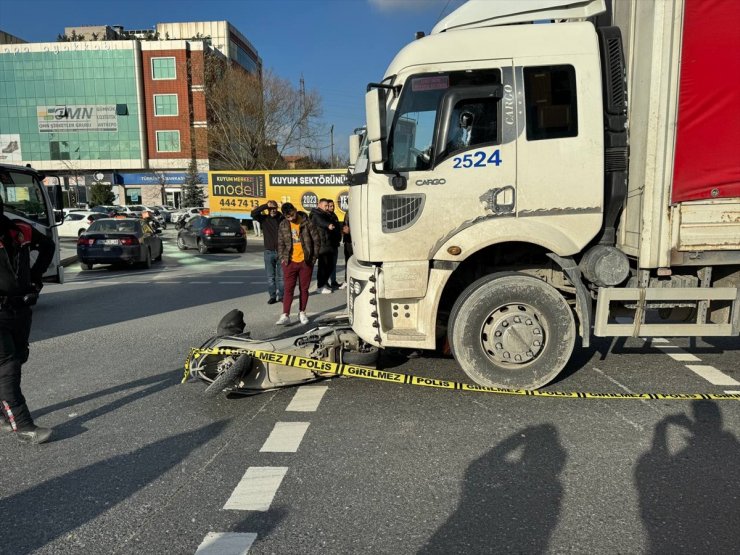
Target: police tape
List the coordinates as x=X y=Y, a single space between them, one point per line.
x=364 y=372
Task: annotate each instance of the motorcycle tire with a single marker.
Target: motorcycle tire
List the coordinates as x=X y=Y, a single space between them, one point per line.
x=229 y=377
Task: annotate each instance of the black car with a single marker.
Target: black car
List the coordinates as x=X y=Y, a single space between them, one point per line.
x=118 y=241
x=217 y=232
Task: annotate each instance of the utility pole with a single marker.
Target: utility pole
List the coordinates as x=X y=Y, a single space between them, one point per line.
x=302 y=128
x=331 y=132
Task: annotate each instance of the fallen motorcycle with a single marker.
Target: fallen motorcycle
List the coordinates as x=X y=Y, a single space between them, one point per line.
x=227 y=372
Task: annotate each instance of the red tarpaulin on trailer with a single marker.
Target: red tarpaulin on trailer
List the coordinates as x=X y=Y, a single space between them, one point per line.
x=708 y=134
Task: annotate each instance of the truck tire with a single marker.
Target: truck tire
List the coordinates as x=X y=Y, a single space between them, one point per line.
x=511 y=330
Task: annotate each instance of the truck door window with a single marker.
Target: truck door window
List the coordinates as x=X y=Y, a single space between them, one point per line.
x=473 y=122
x=411 y=138
x=550 y=97
x=23 y=196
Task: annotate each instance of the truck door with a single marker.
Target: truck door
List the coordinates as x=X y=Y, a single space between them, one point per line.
x=453 y=138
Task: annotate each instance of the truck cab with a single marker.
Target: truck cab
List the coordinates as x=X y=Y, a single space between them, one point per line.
x=27 y=199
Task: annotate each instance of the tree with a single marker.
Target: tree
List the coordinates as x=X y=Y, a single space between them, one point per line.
x=161 y=178
x=101 y=194
x=253 y=120
x=192 y=192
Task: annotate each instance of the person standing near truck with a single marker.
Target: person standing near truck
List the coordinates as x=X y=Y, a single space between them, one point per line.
x=270 y=222
x=323 y=222
x=299 y=245
x=20 y=283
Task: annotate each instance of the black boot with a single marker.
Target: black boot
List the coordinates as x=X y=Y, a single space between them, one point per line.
x=35 y=435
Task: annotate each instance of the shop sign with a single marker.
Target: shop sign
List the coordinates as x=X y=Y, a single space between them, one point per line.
x=77 y=117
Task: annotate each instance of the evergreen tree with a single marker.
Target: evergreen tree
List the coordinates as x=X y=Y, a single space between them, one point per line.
x=192 y=192
x=101 y=194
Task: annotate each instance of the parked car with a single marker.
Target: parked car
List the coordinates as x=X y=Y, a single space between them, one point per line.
x=166 y=211
x=217 y=232
x=109 y=209
x=187 y=213
x=119 y=241
x=135 y=209
x=76 y=222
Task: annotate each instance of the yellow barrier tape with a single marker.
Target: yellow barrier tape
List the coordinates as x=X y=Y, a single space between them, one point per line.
x=367 y=373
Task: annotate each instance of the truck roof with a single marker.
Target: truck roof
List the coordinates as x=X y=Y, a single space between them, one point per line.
x=516 y=41
x=485 y=13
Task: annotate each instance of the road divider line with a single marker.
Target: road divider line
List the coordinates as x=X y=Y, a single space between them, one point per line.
x=307 y=398
x=285 y=437
x=257 y=488
x=683 y=357
x=226 y=543
x=712 y=375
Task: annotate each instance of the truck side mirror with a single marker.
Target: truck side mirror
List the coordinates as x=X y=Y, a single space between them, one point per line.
x=377 y=133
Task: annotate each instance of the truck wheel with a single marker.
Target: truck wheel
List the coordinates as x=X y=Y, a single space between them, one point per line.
x=511 y=330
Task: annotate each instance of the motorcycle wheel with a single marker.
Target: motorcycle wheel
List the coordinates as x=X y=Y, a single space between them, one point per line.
x=229 y=377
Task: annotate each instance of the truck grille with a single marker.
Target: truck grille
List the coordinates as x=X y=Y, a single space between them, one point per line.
x=400 y=211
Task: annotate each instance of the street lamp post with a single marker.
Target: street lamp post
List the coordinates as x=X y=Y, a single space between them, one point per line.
x=331 y=132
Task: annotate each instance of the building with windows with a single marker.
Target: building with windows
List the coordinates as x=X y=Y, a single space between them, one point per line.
x=125 y=111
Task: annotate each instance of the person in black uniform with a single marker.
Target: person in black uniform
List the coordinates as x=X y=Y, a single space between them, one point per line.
x=20 y=284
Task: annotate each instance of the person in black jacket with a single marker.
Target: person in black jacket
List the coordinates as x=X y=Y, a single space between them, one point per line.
x=324 y=223
x=270 y=222
x=20 y=284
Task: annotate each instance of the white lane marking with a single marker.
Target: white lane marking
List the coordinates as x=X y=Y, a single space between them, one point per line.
x=285 y=437
x=712 y=375
x=230 y=282
x=226 y=543
x=683 y=357
x=257 y=488
x=200 y=282
x=659 y=340
x=733 y=391
x=307 y=398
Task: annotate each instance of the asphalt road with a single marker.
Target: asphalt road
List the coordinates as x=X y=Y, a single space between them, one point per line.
x=143 y=464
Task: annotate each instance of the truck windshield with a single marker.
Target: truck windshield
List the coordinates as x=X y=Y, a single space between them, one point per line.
x=412 y=135
x=23 y=196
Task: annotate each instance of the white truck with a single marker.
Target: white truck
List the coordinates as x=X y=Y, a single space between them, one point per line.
x=26 y=198
x=535 y=171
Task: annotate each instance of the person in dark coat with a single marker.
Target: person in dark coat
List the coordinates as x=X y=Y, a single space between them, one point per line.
x=325 y=225
x=20 y=283
x=269 y=217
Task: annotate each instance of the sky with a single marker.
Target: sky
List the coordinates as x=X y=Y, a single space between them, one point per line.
x=338 y=46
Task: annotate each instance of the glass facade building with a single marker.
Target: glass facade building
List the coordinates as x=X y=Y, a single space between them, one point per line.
x=76 y=104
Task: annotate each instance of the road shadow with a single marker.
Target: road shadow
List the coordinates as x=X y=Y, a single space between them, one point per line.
x=75 y=426
x=171 y=377
x=62 y=312
x=39 y=515
x=511 y=498
x=689 y=497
